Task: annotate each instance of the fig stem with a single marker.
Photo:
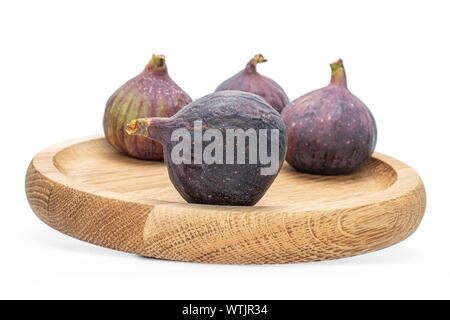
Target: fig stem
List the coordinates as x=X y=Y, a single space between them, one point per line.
x=152 y=128
x=338 y=76
x=251 y=65
x=157 y=62
x=138 y=127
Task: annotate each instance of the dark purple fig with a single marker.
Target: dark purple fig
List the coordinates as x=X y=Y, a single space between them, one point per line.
x=152 y=93
x=330 y=130
x=249 y=80
x=225 y=148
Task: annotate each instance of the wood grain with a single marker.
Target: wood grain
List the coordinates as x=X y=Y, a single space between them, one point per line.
x=87 y=190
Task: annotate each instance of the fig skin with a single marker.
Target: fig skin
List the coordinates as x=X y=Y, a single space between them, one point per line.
x=330 y=131
x=218 y=184
x=152 y=93
x=249 y=80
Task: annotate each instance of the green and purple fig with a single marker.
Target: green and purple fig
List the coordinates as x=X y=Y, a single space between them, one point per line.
x=249 y=80
x=152 y=93
x=330 y=131
x=224 y=149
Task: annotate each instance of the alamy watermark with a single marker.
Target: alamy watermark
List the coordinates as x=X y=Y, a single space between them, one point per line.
x=235 y=144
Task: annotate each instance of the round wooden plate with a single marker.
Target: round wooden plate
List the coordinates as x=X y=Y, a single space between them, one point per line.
x=85 y=189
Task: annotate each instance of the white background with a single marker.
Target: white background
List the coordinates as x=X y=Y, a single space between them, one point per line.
x=60 y=61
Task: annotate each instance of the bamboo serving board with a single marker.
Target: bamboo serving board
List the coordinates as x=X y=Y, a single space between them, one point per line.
x=85 y=189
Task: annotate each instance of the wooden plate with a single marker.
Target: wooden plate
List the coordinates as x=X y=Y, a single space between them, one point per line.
x=85 y=189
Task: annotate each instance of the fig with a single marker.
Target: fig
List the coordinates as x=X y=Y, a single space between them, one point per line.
x=249 y=80
x=224 y=149
x=152 y=93
x=330 y=131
